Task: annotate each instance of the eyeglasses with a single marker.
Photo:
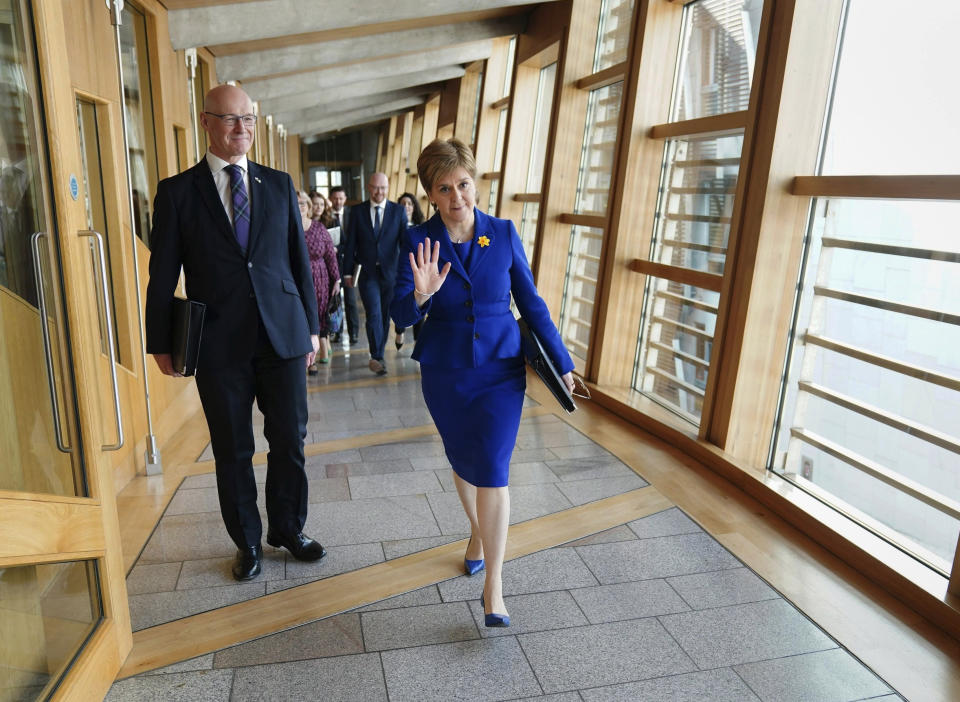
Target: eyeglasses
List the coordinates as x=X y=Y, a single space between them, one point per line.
x=231 y=120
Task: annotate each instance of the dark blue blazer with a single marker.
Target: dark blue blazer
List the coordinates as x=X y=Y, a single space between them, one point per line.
x=366 y=250
x=469 y=321
x=191 y=227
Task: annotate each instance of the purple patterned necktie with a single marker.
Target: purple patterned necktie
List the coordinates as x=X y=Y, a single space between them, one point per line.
x=241 y=205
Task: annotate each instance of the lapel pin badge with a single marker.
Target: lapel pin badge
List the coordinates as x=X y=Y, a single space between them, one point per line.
x=256 y=179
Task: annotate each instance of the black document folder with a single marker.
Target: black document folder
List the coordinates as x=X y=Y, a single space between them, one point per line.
x=538 y=359
x=186 y=324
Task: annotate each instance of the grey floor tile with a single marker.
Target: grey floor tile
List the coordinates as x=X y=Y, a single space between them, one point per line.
x=544 y=571
x=194 y=482
x=365 y=521
x=404 y=547
x=580 y=492
x=334 y=636
x=558 y=697
x=825 y=675
x=540 y=454
x=197 y=686
x=611 y=603
x=745 y=633
x=551 y=437
x=393 y=484
x=214 y=572
x=153 y=577
x=720 y=685
x=156 y=608
x=538 y=612
x=590 y=468
x=656 y=558
x=430 y=463
x=531 y=473
x=445 y=476
x=316 y=466
x=722 y=588
x=603 y=654
x=339 y=559
x=418 y=626
x=198 y=663
x=669 y=522
x=532 y=501
x=327 y=490
x=423 y=596
x=472 y=671
x=345 y=470
x=609 y=536
x=401 y=450
x=188 y=536
x=357 y=678
x=580 y=451
x=189 y=501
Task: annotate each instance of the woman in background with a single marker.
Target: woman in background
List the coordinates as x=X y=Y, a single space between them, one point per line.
x=463 y=268
x=323 y=266
x=414 y=217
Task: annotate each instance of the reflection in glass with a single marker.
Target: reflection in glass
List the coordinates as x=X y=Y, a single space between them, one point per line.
x=138 y=103
x=613 y=33
x=47 y=612
x=541 y=127
x=30 y=460
x=528 y=228
x=580 y=289
x=696 y=202
x=875 y=369
x=20 y=199
x=95 y=205
x=599 y=149
x=717 y=54
x=909 y=93
x=508 y=73
x=677 y=330
x=492 y=198
x=501 y=137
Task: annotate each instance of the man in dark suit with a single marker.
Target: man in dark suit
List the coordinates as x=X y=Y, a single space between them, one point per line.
x=341 y=217
x=373 y=243
x=235 y=227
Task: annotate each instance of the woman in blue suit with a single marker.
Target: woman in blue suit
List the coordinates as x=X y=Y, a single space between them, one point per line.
x=460 y=271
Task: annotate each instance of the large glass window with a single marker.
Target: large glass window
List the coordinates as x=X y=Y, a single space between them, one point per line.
x=870 y=415
x=580 y=288
x=691 y=228
x=47 y=612
x=614 y=33
x=138 y=103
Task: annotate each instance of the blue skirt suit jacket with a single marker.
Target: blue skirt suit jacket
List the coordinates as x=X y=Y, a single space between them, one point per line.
x=469 y=350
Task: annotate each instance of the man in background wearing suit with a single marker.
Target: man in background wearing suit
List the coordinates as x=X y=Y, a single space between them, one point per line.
x=341 y=216
x=373 y=243
x=235 y=227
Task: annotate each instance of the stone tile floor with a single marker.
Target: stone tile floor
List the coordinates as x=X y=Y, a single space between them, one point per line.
x=654 y=609
x=684 y=620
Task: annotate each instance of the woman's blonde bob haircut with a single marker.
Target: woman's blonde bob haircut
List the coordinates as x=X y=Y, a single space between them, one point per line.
x=440 y=157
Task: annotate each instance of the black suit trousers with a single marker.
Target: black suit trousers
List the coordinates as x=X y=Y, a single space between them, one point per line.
x=377 y=294
x=227 y=393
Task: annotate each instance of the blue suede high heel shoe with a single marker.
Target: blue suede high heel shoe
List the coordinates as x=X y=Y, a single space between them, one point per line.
x=493 y=620
x=472 y=567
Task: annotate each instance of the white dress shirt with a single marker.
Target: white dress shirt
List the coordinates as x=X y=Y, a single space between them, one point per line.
x=222 y=179
x=373 y=213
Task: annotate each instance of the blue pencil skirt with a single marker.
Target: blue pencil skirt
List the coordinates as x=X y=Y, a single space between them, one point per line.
x=477 y=412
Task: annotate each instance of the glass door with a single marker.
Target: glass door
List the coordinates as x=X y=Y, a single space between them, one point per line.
x=50 y=595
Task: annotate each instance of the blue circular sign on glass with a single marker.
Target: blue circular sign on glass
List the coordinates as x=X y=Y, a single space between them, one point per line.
x=74 y=187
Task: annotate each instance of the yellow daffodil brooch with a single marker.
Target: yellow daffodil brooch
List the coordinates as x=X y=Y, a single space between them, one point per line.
x=483 y=241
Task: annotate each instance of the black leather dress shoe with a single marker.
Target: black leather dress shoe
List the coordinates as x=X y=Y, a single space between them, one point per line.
x=246 y=566
x=300 y=546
